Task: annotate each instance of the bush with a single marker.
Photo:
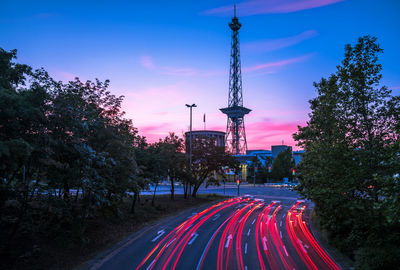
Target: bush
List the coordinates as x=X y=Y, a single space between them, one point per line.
x=378 y=258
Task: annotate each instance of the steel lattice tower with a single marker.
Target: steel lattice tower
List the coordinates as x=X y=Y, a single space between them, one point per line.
x=235 y=131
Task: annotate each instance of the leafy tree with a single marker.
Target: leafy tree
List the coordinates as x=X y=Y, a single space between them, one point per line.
x=57 y=141
x=175 y=160
x=282 y=165
x=262 y=170
x=352 y=153
x=207 y=159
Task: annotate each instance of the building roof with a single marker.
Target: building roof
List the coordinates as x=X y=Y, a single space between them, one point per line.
x=205 y=132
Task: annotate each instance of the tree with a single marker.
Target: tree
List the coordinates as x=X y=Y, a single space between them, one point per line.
x=207 y=159
x=261 y=163
x=282 y=165
x=175 y=160
x=57 y=141
x=351 y=145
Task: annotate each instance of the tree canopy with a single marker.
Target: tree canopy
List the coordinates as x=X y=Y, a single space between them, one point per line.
x=68 y=154
x=351 y=144
x=209 y=160
x=283 y=165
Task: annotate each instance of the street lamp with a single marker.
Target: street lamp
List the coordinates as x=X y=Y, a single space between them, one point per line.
x=190 y=143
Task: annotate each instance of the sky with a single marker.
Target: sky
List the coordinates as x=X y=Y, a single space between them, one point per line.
x=162 y=55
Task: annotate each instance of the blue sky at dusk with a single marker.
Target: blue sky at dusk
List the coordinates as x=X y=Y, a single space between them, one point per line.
x=163 y=54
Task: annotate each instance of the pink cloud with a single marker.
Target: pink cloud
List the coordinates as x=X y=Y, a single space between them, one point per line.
x=270 y=67
x=147 y=62
x=153 y=128
x=275 y=44
x=395 y=88
x=255 y=7
x=268 y=125
x=154 y=132
x=263 y=134
x=260 y=135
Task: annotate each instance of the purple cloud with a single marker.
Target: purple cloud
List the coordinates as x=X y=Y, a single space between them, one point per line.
x=275 y=44
x=255 y=7
x=271 y=67
x=262 y=134
x=147 y=62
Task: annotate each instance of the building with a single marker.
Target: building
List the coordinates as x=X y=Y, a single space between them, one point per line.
x=276 y=149
x=266 y=157
x=297 y=156
x=219 y=136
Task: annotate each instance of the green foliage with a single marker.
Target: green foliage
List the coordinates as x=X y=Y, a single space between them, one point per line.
x=261 y=174
x=175 y=160
x=66 y=154
x=352 y=153
x=208 y=158
x=377 y=258
x=283 y=164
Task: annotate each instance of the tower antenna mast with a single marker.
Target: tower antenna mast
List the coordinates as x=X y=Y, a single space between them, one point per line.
x=235 y=131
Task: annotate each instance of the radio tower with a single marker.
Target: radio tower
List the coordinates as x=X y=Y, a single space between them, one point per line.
x=235 y=132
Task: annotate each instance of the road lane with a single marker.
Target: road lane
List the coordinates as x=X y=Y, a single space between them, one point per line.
x=239 y=233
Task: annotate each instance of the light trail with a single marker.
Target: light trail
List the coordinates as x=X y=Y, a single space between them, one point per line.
x=322 y=254
x=229 y=229
x=295 y=241
x=239 y=257
x=286 y=260
x=268 y=235
x=294 y=220
x=180 y=228
x=183 y=243
x=257 y=234
x=271 y=249
x=199 y=265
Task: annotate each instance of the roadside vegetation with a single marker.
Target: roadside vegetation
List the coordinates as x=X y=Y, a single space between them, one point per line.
x=68 y=157
x=351 y=165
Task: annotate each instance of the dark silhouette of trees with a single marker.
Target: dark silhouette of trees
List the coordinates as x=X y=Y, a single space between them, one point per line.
x=209 y=160
x=352 y=157
x=283 y=165
x=66 y=154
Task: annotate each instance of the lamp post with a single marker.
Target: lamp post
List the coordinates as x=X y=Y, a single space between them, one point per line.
x=190 y=144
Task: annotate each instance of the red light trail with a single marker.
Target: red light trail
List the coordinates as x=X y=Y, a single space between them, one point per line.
x=275 y=247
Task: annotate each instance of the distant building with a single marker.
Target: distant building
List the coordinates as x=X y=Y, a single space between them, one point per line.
x=219 y=136
x=265 y=156
x=276 y=149
x=298 y=155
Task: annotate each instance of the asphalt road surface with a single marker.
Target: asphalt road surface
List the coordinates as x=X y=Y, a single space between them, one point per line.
x=266 y=230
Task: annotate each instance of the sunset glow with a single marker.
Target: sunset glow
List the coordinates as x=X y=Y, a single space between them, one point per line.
x=161 y=55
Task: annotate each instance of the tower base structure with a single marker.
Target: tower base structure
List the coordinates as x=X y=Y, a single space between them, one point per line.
x=235 y=132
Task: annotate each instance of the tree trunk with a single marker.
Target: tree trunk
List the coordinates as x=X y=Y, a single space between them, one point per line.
x=185 y=189
x=154 y=194
x=195 y=189
x=172 y=189
x=77 y=194
x=133 y=203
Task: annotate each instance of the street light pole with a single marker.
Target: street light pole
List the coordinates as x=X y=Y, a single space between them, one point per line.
x=190 y=144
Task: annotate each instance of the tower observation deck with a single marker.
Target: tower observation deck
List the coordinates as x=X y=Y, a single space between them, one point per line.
x=235 y=132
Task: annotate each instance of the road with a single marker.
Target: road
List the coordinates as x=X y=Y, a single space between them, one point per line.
x=266 y=230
